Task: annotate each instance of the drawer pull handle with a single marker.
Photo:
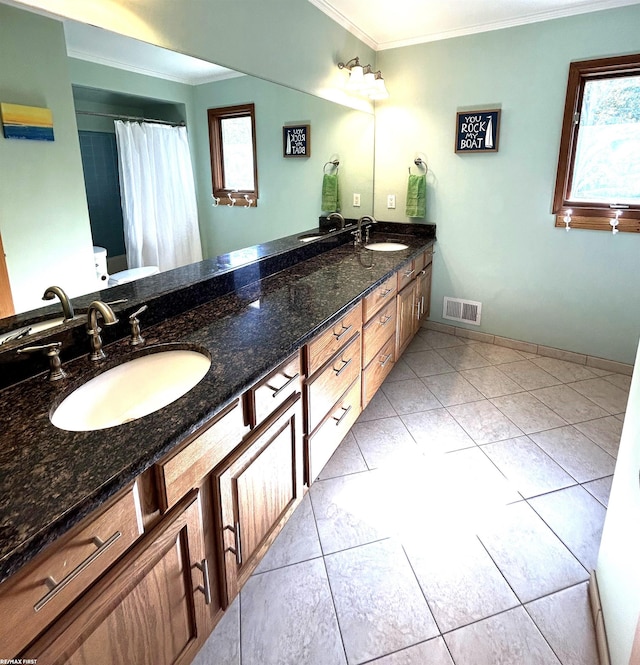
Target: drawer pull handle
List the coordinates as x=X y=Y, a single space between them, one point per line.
x=385 y=293
x=408 y=273
x=383 y=322
x=386 y=360
x=277 y=391
x=206 y=586
x=237 y=550
x=339 y=371
x=342 y=416
x=56 y=587
x=340 y=335
x=422 y=306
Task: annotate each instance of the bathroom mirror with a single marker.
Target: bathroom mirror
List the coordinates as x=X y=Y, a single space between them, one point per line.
x=45 y=226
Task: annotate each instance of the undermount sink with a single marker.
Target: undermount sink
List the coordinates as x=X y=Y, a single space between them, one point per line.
x=131 y=390
x=386 y=246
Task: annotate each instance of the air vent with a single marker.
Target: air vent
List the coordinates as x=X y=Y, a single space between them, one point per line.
x=465 y=311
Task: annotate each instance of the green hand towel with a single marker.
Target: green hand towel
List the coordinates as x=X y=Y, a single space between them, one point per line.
x=330 y=193
x=417 y=196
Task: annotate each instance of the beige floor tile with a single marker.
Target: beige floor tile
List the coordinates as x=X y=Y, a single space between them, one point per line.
x=437 y=431
x=460 y=581
x=490 y=381
x=510 y=638
x=378 y=407
x=400 y=372
x=564 y=618
x=575 y=453
x=351 y=510
x=418 y=343
x=223 y=645
x=622 y=381
x=600 y=489
x=576 y=518
x=432 y=652
x=300 y=625
x=438 y=340
x=528 y=375
x=410 y=396
x=527 y=467
x=563 y=370
x=484 y=422
x=603 y=393
x=346 y=459
x=569 y=404
x=527 y=412
x=605 y=432
x=495 y=354
x=463 y=357
x=385 y=442
x=298 y=540
x=452 y=388
x=427 y=363
x=378 y=601
x=530 y=556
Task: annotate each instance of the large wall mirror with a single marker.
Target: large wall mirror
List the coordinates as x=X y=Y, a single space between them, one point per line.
x=48 y=190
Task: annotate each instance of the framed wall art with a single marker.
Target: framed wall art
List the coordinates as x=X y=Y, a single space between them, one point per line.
x=477 y=131
x=32 y=123
x=296 y=141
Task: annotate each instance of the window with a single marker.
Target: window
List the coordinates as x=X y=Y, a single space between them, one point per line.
x=232 y=139
x=599 y=162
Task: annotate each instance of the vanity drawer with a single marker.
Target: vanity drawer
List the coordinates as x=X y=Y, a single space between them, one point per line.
x=379 y=297
x=428 y=256
x=377 y=331
x=185 y=468
x=35 y=596
x=272 y=391
x=327 y=438
x=407 y=273
x=331 y=340
x=377 y=370
x=326 y=388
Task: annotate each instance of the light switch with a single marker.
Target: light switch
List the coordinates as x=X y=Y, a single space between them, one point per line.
x=391 y=201
x=356 y=200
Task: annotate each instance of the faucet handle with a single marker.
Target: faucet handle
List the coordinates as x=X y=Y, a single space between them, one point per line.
x=52 y=351
x=136 y=337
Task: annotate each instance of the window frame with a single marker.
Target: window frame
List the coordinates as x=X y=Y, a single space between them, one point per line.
x=585 y=214
x=215 y=116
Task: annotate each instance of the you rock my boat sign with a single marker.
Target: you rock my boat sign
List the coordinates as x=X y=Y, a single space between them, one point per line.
x=477 y=131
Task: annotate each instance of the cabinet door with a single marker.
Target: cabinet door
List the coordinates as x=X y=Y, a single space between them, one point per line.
x=149 y=609
x=256 y=492
x=423 y=295
x=406 y=313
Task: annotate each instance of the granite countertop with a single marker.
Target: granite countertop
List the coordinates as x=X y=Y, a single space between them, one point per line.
x=50 y=478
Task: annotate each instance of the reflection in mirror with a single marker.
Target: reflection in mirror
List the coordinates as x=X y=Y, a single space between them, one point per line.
x=63 y=199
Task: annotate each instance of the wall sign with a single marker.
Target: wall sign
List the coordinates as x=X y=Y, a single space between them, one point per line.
x=477 y=131
x=296 y=141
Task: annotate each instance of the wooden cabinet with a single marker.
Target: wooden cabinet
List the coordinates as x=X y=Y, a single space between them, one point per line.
x=423 y=295
x=380 y=296
x=406 y=316
x=414 y=300
x=255 y=491
x=149 y=609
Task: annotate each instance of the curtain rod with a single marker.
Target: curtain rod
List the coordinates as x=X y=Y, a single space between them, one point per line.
x=116 y=116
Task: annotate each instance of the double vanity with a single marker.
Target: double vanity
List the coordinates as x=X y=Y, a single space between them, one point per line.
x=126 y=542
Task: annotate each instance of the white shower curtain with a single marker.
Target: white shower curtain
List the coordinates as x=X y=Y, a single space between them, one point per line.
x=158 y=195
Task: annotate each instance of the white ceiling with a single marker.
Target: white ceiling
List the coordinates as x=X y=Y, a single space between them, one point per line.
x=384 y=24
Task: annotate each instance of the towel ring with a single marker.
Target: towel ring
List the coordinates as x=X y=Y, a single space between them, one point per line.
x=334 y=164
x=420 y=163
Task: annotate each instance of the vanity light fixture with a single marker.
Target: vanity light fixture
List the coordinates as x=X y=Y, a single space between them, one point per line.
x=363 y=80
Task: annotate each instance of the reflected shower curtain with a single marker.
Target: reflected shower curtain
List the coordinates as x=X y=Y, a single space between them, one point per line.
x=158 y=195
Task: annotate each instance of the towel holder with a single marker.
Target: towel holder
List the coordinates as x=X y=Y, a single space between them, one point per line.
x=420 y=163
x=334 y=164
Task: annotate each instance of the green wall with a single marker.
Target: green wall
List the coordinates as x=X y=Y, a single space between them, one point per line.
x=43 y=204
x=496 y=238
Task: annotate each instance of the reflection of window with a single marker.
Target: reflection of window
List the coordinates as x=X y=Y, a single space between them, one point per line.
x=232 y=138
x=599 y=163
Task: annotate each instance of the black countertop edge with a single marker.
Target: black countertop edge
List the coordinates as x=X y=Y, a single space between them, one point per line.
x=22 y=550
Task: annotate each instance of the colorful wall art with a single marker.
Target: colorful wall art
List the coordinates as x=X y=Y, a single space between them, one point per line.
x=26 y=122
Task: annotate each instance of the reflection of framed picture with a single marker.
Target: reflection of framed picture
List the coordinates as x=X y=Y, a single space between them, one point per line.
x=296 y=141
x=477 y=131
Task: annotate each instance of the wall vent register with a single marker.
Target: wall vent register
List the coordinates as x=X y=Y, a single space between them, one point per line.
x=465 y=311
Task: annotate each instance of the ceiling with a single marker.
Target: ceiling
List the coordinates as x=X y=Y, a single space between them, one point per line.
x=384 y=24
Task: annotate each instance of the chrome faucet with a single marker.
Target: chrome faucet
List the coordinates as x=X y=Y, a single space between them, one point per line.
x=358 y=232
x=339 y=217
x=98 y=308
x=67 y=307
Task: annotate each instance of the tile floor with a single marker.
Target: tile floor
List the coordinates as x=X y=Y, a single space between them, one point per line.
x=456 y=524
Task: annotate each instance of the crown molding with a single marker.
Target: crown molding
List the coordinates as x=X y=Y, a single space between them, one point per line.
x=342 y=20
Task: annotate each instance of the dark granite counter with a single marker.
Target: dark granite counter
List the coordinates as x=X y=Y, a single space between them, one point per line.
x=50 y=478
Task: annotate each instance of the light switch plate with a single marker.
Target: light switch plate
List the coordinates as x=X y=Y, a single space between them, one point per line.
x=356 y=200
x=391 y=201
